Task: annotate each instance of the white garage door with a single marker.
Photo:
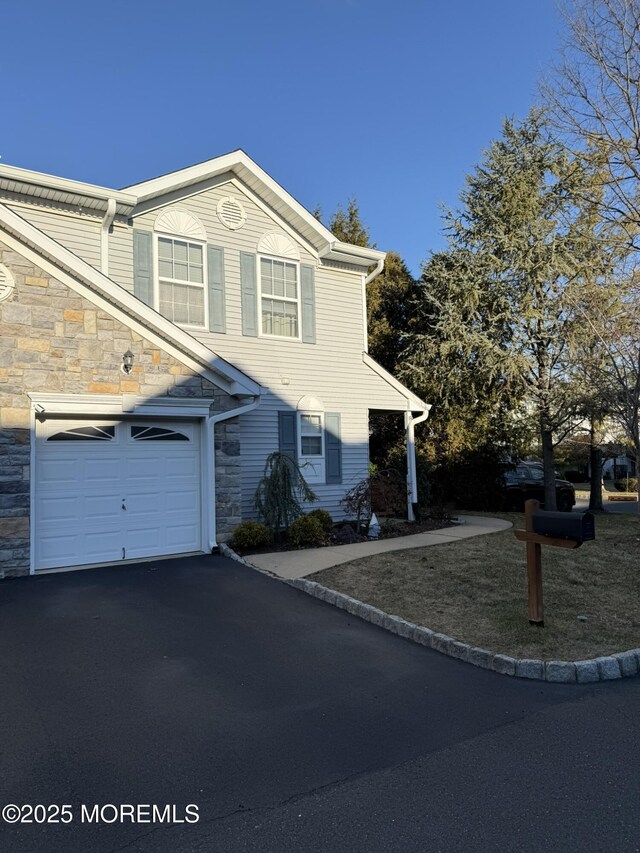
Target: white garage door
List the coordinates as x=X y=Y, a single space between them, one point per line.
x=108 y=491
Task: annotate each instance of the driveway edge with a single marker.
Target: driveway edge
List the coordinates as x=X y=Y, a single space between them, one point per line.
x=606 y=668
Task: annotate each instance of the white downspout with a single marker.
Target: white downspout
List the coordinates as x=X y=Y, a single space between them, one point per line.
x=412 y=479
x=107 y=222
x=212 y=420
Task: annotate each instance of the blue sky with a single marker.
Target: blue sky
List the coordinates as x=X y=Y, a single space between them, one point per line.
x=390 y=102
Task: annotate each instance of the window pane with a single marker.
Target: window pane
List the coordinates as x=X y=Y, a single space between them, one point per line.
x=181 y=271
x=279 y=318
x=278 y=278
x=266 y=278
x=179 y=250
x=290 y=281
x=311 y=446
x=165 y=248
x=196 y=306
x=310 y=425
x=195 y=274
x=195 y=254
x=165 y=268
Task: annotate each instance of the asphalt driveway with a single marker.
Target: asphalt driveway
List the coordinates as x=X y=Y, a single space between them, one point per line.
x=290 y=725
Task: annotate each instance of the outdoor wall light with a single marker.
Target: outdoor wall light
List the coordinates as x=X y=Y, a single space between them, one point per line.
x=127 y=362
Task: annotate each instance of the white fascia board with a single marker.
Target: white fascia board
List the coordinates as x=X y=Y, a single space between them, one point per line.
x=65 y=185
x=81 y=277
x=244 y=167
x=414 y=404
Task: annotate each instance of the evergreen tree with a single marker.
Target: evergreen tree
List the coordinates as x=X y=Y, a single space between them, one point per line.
x=500 y=300
x=347 y=225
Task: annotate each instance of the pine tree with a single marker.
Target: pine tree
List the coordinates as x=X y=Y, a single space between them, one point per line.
x=501 y=298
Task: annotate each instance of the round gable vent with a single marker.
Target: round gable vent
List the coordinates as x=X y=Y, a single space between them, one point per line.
x=7 y=283
x=231 y=213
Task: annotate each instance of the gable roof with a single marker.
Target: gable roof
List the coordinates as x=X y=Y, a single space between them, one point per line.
x=81 y=277
x=238 y=163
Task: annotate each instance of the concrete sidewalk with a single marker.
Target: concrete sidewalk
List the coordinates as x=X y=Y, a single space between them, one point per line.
x=299 y=564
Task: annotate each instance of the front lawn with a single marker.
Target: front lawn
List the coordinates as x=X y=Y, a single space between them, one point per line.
x=475 y=590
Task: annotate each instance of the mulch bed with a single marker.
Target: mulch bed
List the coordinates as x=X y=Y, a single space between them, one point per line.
x=403 y=528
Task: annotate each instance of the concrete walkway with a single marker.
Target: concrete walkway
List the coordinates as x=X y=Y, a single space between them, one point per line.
x=299 y=564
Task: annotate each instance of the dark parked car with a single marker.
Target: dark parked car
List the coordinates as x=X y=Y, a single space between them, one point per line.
x=527 y=481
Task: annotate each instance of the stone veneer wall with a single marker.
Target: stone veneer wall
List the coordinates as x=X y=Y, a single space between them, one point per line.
x=53 y=340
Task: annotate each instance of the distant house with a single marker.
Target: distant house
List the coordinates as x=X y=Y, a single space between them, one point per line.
x=158 y=342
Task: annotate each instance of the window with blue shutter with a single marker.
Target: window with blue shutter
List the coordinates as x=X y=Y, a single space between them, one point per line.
x=215 y=281
x=249 y=292
x=308 y=304
x=333 y=448
x=287 y=434
x=143 y=266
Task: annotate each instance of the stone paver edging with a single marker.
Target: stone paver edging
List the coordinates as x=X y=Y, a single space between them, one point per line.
x=606 y=668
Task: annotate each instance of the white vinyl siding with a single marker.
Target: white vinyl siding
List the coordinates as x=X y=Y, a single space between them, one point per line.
x=79 y=234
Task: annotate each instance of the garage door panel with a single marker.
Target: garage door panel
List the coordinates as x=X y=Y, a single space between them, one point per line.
x=62 y=549
x=98 y=501
x=100 y=471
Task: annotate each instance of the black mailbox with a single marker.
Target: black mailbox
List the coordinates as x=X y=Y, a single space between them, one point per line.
x=579 y=526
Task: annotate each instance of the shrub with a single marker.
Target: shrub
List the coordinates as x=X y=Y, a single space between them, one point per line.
x=280 y=492
x=391 y=528
x=345 y=535
x=306 y=532
x=626 y=484
x=323 y=517
x=250 y=534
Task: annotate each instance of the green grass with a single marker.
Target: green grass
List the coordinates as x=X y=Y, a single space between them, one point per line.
x=476 y=591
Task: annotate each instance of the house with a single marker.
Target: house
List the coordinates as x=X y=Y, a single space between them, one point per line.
x=158 y=342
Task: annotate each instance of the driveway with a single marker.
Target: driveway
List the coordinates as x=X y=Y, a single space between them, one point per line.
x=291 y=725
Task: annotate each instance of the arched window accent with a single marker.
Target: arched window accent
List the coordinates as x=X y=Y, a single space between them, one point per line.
x=278 y=245
x=150 y=433
x=85 y=433
x=181 y=223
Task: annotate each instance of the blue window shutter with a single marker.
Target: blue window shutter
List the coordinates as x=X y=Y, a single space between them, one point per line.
x=249 y=288
x=287 y=434
x=333 y=447
x=308 y=303
x=143 y=266
x=215 y=275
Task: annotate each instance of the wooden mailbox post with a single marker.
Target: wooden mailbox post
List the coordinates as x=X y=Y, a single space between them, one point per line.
x=562 y=530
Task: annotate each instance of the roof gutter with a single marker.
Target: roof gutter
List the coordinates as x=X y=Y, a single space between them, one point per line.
x=375 y=273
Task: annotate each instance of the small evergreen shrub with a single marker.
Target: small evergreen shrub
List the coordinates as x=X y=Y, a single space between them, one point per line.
x=323 y=517
x=390 y=528
x=306 y=532
x=626 y=484
x=250 y=534
x=281 y=492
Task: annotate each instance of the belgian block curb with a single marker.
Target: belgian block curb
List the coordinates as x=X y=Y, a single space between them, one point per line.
x=620 y=665
x=608 y=668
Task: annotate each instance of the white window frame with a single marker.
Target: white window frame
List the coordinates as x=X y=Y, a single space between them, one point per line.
x=313 y=467
x=297 y=300
x=159 y=235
